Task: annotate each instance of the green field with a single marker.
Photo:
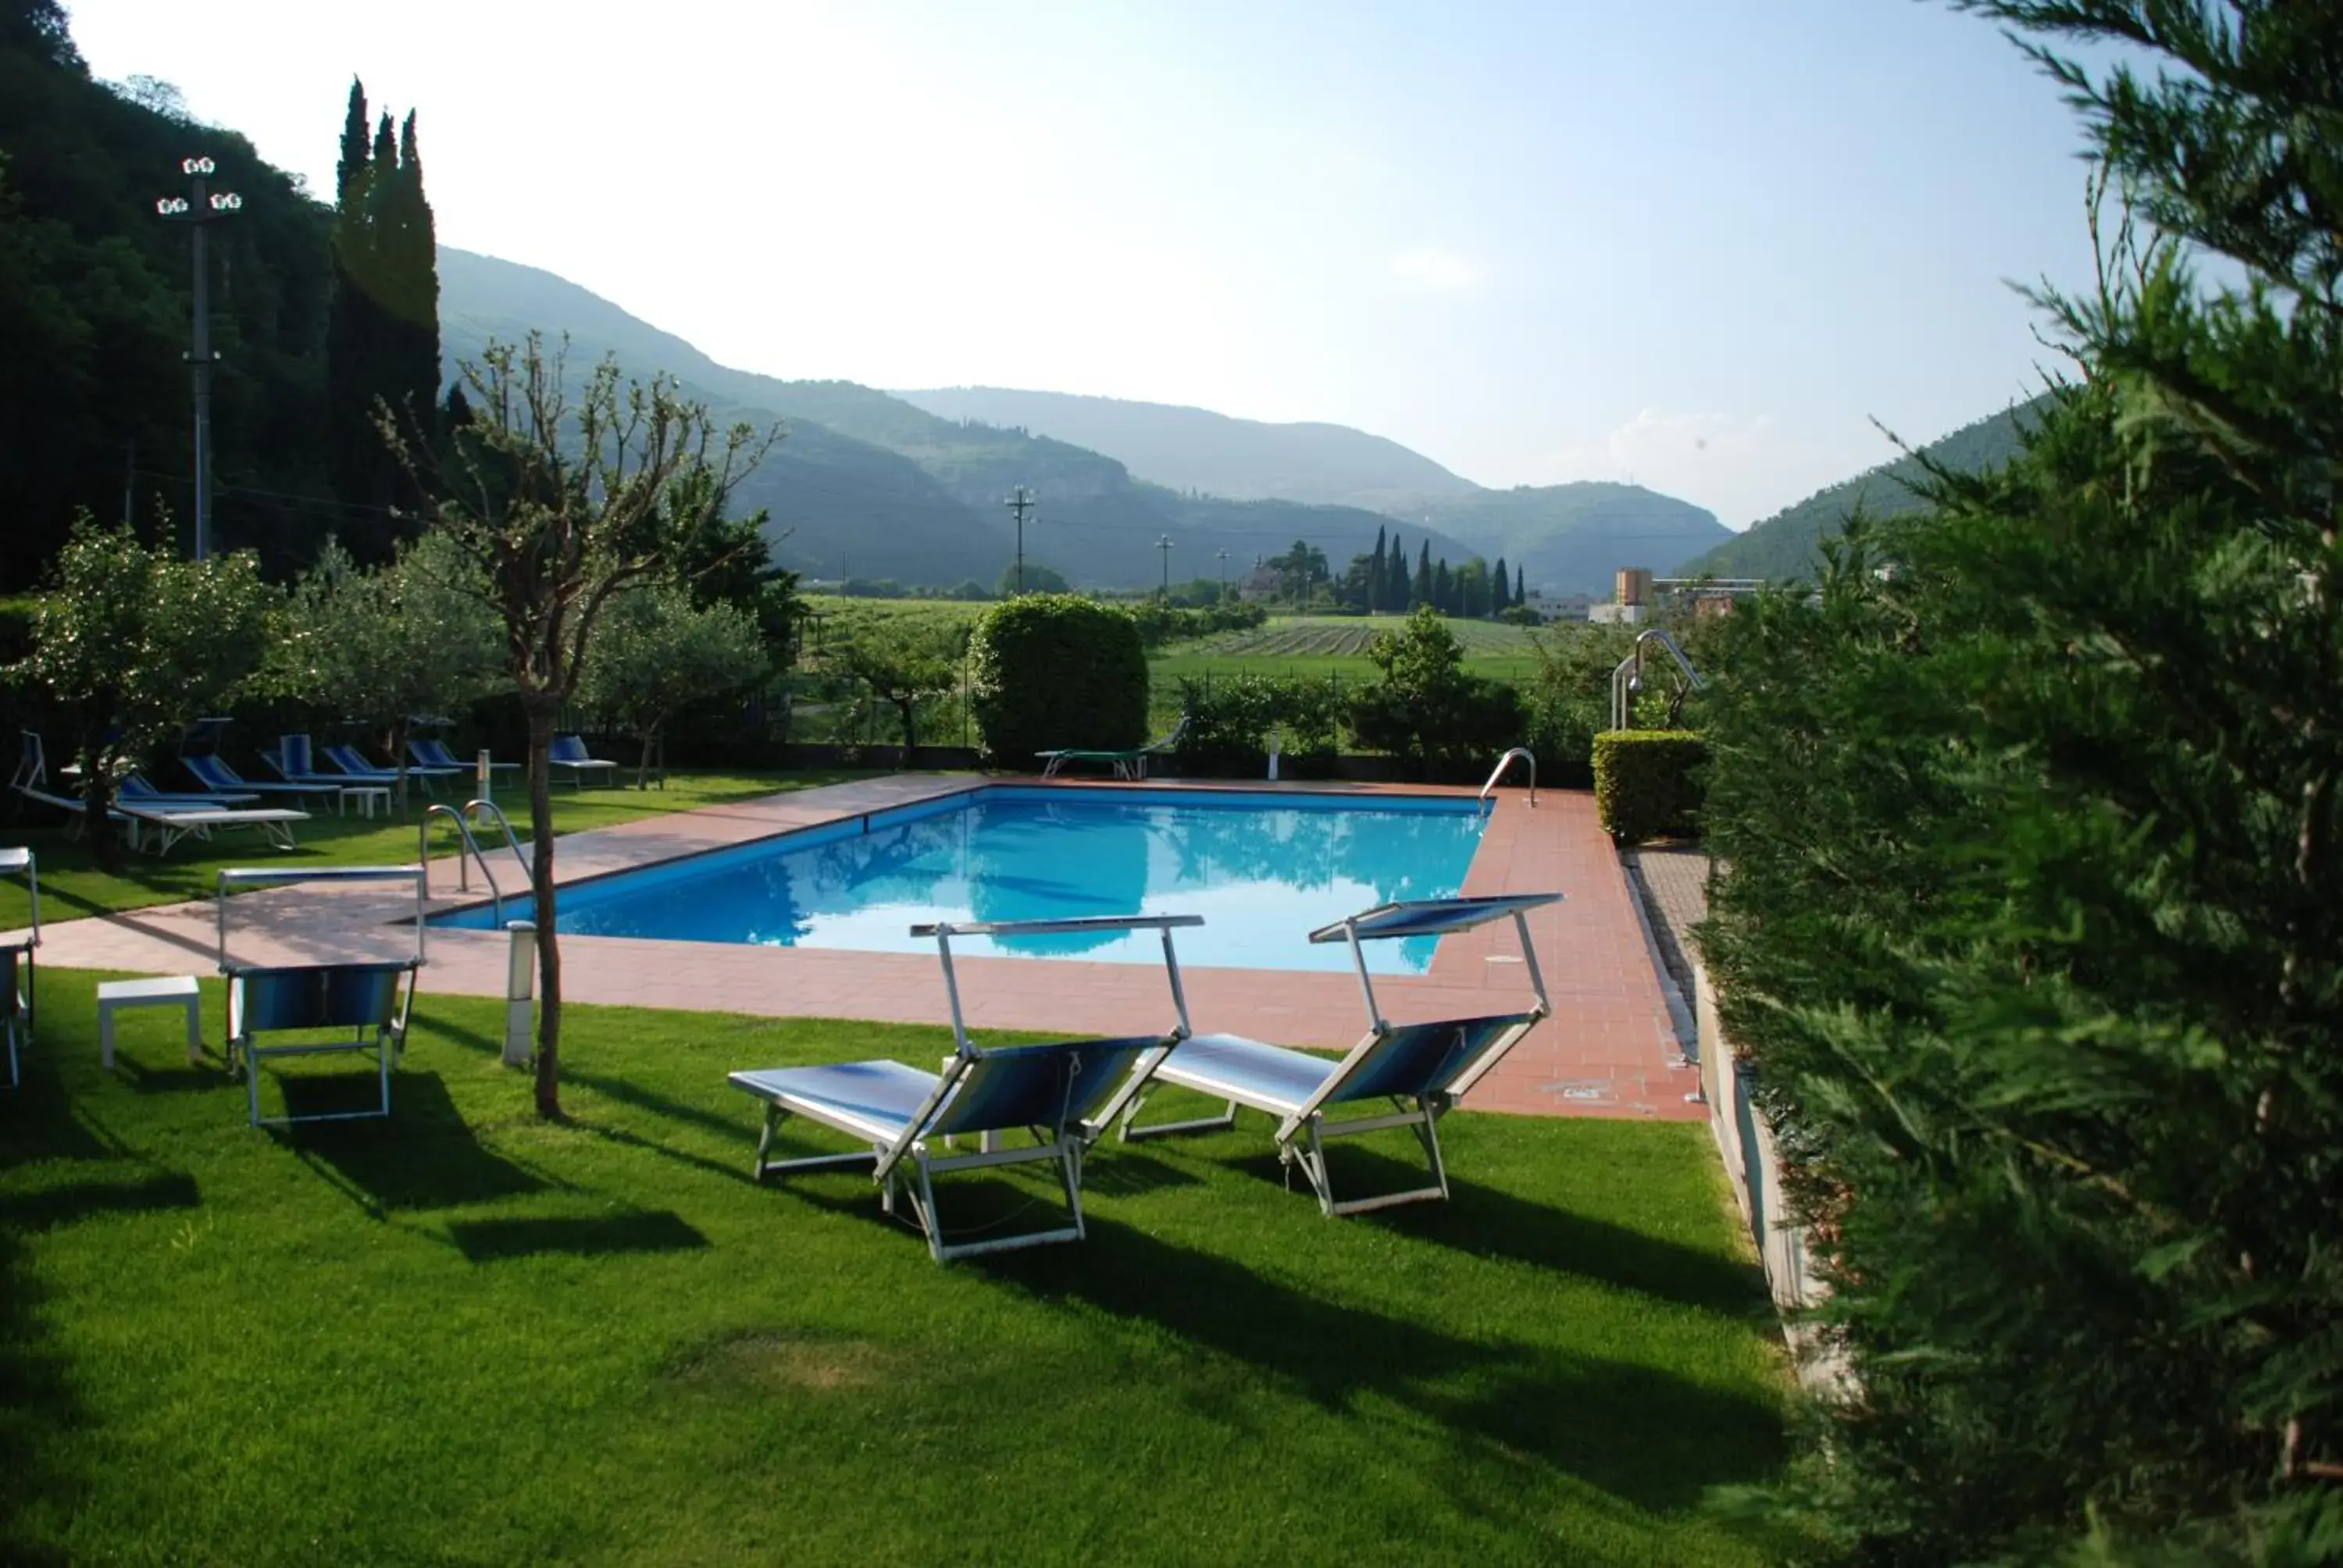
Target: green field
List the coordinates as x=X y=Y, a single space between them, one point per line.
x=465 y=1335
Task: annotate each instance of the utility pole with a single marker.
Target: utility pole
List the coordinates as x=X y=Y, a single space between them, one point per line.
x=199 y=206
x=1223 y=558
x=1020 y=503
x=1163 y=543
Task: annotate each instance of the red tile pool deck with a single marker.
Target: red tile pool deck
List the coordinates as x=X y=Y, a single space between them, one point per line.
x=1608 y=1049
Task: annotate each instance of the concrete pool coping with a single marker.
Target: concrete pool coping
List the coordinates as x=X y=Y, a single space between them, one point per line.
x=1609 y=1049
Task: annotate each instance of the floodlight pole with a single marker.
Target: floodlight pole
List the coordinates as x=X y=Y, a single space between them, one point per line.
x=1223 y=558
x=1163 y=543
x=201 y=206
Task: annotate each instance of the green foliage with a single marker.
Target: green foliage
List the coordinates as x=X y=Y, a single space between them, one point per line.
x=657 y=653
x=1231 y=720
x=898 y=660
x=1160 y=623
x=380 y=647
x=1056 y=671
x=1426 y=709
x=1569 y=698
x=1647 y=783
x=2029 y=920
x=95 y=310
x=1035 y=578
x=129 y=644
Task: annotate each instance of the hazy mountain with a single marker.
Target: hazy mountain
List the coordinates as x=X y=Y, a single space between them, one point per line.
x=1572 y=539
x=874 y=486
x=1785 y=546
x=1195 y=449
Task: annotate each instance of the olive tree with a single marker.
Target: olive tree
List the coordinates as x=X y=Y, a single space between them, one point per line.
x=383 y=646
x=132 y=644
x=657 y=655
x=899 y=660
x=561 y=501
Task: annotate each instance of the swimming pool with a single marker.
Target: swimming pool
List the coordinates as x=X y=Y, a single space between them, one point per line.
x=1263 y=868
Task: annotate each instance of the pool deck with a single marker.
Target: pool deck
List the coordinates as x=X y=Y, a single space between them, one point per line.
x=1608 y=1049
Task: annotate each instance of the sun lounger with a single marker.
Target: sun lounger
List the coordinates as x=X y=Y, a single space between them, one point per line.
x=356 y=770
x=356 y=1006
x=215 y=776
x=16 y=989
x=435 y=754
x=1422 y=1069
x=171 y=823
x=1065 y=1093
x=137 y=790
x=1131 y=764
x=568 y=756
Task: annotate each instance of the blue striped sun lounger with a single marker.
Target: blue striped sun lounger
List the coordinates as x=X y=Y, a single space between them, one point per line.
x=1064 y=1093
x=1422 y=1070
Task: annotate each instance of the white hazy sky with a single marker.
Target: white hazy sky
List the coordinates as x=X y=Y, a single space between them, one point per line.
x=1700 y=243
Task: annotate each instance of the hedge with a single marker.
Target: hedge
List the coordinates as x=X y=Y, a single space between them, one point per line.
x=1054 y=670
x=1647 y=783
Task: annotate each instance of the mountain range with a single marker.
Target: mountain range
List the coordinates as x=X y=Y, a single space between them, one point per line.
x=911 y=486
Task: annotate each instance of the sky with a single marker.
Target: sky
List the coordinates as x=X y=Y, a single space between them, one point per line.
x=1710 y=246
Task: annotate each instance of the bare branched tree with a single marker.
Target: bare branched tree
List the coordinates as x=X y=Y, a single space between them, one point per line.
x=561 y=505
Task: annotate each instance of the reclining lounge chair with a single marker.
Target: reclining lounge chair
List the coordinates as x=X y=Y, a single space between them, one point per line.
x=16 y=964
x=1423 y=1068
x=433 y=754
x=1131 y=764
x=1065 y=1093
x=568 y=756
x=358 y=1006
x=212 y=771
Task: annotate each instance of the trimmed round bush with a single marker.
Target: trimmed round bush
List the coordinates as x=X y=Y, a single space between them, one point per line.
x=1050 y=671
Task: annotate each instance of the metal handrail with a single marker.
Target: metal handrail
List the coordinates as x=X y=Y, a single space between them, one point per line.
x=1525 y=755
x=471 y=846
x=1628 y=678
x=512 y=840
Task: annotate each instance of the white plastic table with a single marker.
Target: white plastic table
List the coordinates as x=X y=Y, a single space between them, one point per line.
x=170 y=990
x=367 y=795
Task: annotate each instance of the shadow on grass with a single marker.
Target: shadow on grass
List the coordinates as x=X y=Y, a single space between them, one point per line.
x=47 y=1208
x=618 y=1089
x=663 y=1231
x=1640 y=1433
x=422 y=1157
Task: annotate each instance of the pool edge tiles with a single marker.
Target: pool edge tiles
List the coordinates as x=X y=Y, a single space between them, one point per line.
x=1263 y=866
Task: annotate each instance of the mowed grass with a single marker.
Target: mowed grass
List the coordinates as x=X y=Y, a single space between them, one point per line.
x=464 y=1335
x=72 y=885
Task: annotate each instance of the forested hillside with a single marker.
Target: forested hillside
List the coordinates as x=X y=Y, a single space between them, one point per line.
x=1572 y=539
x=1196 y=449
x=1785 y=544
x=95 y=309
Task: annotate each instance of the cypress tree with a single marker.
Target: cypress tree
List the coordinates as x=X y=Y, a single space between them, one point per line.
x=1375 y=574
x=1497 y=601
x=1521 y=594
x=1423 y=586
x=1443 y=587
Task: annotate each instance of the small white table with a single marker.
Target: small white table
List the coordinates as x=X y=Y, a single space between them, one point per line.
x=171 y=991
x=367 y=795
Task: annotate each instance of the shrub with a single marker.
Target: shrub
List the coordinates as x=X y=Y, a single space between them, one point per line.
x=1647 y=783
x=1056 y=671
x=1230 y=722
x=1426 y=710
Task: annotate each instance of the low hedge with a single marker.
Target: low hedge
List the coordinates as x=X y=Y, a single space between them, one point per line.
x=1230 y=722
x=1647 y=783
x=1051 y=670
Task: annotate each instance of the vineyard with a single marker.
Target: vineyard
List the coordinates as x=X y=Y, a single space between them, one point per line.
x=1306 y=637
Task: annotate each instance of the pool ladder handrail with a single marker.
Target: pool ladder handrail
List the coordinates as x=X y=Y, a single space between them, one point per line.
x=1523 y=752
x=471 y=848
x=1628 y=678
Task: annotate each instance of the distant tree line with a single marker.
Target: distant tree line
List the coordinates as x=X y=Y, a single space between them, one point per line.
x=1380 y=582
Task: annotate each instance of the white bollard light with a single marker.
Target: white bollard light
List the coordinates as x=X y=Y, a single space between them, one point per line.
x=520 y=974
x=485 y=776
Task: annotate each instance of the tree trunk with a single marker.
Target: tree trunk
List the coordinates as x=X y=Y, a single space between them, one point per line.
x=648 y=739
x=543 y=714
x=399 y=759
x=97 y=803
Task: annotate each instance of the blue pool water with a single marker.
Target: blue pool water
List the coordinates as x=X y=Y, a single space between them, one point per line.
x=1264 y=869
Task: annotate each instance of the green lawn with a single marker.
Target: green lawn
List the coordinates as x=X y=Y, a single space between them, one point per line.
x=466 y=1336
x=72 y=885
